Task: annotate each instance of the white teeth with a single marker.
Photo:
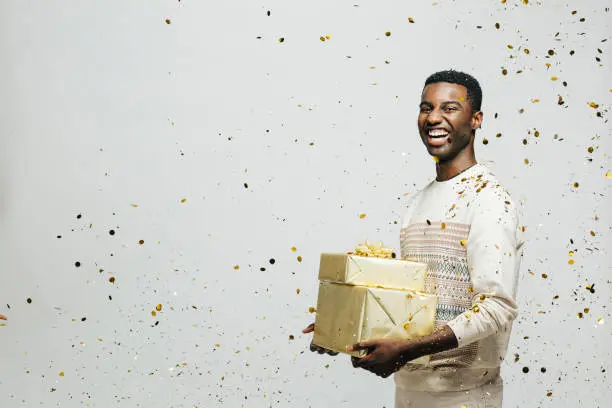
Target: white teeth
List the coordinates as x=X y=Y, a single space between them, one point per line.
x=438 y=132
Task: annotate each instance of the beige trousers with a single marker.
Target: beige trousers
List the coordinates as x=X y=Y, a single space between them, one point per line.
x=486 y=396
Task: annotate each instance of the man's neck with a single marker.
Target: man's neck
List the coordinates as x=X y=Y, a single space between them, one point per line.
x=449 y=169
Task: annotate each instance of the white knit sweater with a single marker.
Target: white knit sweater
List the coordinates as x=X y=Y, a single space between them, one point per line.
x=467 y=230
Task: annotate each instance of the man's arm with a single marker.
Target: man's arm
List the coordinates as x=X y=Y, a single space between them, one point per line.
x=494 y=249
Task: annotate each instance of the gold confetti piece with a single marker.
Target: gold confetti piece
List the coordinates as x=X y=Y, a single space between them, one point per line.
x=526 y=161
x=485 y=141
x=322 y=38
x=362 y=215
x=297 y=291
x=406 y=326
x=153 y=313
x=388 y=33
x=134 y=205
x=526 y=50
x=608 y=175
x=504 y=71
x=571 y=253
x=535 y=100
x=580 y=315
x=576 y=184
x=291 y=337
x=61 y=374
x=111 y=279
x=549 y=394
x=475 y=309
x=282 y=39
x=293 y=249
x=510 y=46
x=218 y=345
x=409 y=296
x=236 y=267
x=410 y=19
x=483 y=297
x=443 y=225
x=571 y=262
x=327 y=37
x=592 y=233
x=600 y=320
x=593 y=105
x=168 y=21
x=436 y=159
x=299 y=258
x=586 y=310
x=553 y=78
x=158 y=307
x=141 y=242
x=497 y=25
x=525 y=2
x=544 y=275
x=503 y=2
x=183 y=200
x=463 y=242
x=311 y=309
x=536 y=133
x=590 y=149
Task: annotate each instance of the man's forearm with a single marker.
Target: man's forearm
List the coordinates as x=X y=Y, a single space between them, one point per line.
x=440 y=340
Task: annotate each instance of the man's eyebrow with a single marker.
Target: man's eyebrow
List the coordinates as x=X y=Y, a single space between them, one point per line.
x=443 y=103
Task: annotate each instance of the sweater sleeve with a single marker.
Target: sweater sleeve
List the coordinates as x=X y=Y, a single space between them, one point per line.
x=494 y=252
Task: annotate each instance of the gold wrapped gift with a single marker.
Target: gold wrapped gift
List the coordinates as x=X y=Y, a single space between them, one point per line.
x=348 y=314
x=372 y=271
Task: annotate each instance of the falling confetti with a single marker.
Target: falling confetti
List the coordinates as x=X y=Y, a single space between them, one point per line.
x=158 y=307
x=362 y=215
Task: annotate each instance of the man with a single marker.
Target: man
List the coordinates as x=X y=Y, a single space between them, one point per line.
x=465 y=226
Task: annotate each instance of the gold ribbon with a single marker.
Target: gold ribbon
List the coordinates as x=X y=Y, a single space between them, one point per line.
x=369 y=249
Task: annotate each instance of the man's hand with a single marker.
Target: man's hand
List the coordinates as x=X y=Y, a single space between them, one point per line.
x=314 y=347
x=385 y=356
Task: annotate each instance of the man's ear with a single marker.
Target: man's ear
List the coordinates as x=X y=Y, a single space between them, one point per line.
x=477 y=120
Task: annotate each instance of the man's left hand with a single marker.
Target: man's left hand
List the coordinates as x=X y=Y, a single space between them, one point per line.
x=385 y=356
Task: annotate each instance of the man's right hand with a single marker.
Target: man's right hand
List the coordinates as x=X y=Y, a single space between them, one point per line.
x=314 y=347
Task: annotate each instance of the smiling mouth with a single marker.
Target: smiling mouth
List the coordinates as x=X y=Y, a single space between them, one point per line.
x=437 y=137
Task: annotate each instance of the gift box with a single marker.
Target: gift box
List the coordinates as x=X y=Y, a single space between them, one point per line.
x=372 y=271
x=363 y=298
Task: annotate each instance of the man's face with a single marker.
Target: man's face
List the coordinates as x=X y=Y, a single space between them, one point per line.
x=446 y=120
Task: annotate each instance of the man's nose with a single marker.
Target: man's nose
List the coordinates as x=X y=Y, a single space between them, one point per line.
x=434 y=117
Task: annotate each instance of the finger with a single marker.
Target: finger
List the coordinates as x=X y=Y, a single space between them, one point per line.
x=364 y=362
x=3 y=317
x=309 y=329
x=332 y=353
x=362 y=345
x=355 y=361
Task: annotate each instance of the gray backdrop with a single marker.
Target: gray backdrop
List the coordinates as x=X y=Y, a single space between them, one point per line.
x=190 y=126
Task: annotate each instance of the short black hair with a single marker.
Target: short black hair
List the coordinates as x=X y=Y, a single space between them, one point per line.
x=474 y=93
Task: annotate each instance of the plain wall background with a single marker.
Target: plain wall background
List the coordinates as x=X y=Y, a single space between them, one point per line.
x=105 y=106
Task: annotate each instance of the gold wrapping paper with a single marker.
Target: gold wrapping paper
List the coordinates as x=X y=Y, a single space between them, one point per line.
x=370 y=271
x=348 y=314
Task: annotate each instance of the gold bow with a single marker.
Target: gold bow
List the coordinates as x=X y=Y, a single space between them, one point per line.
x=374 y=250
